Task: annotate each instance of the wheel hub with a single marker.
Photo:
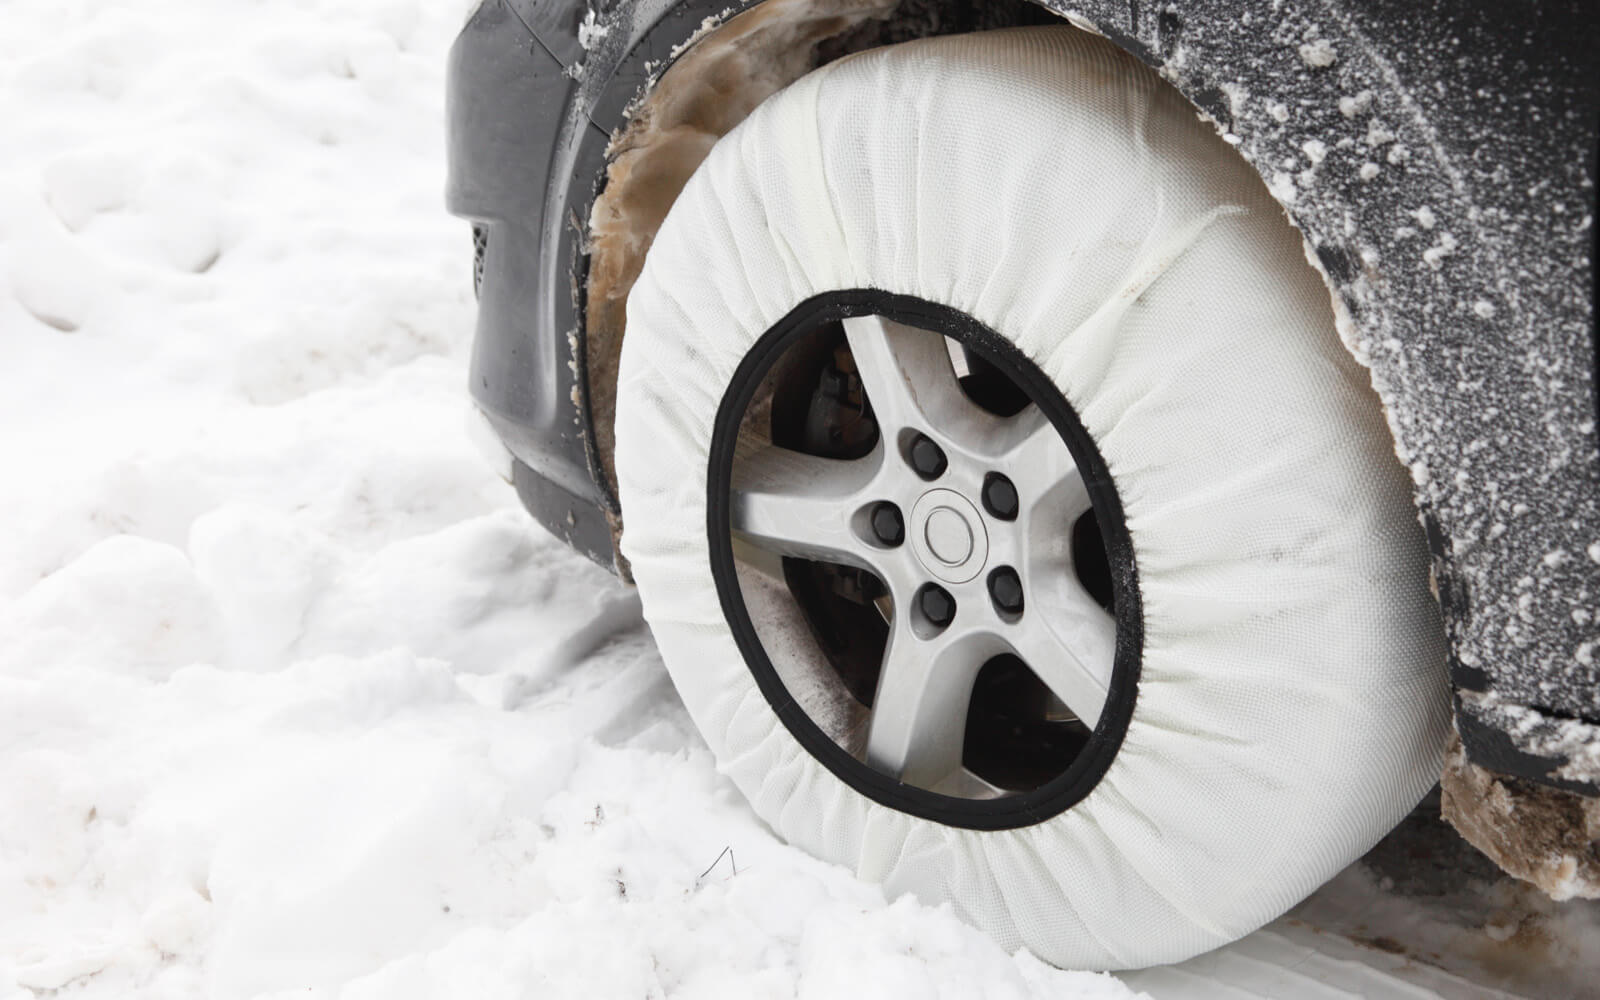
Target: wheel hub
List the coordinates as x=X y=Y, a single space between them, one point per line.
x=948 y=536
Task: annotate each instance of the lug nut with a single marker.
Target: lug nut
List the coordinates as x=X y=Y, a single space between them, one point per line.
x=999 y=497
x=887 y=524
x=937 y=605
x=1005 y=589
x=927 y=458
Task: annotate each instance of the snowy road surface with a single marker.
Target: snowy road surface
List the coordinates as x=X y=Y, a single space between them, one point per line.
x=295 y=701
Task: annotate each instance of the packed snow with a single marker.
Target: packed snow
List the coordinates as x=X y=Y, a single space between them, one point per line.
x=294 y=699
x=1318 y=53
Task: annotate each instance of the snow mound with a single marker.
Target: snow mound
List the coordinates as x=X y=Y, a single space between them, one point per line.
x=294 y=700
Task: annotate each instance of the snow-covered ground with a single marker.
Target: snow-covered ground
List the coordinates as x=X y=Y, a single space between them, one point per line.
x=295 y=701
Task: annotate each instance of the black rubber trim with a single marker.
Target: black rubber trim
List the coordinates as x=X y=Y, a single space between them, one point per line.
x=571 y=518
x=1491 y=748
x=1079 y=779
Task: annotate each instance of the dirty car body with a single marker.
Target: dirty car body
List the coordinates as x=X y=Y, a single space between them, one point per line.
x=1439 y=159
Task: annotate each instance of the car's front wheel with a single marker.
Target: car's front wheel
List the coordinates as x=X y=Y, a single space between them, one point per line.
x=1010 y=518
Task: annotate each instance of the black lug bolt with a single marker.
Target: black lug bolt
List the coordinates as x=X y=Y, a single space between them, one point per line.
x=999 y=497
x=887 y=524
x=927 y=458
x=937 y=605
x=1005 y=589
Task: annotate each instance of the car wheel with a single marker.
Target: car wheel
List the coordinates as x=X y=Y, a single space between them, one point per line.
x=1009 y=516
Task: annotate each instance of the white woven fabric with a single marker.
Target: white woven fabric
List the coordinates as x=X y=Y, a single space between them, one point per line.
x=1292 y=704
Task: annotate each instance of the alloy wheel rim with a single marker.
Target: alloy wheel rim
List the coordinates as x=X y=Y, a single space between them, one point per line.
x=985 y=530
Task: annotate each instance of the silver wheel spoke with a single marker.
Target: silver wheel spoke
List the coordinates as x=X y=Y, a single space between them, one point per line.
x=919 y=714
x=799 y=505
x=907 y=374
x=1071 y=649
x=1038 y=462
x=963 y=784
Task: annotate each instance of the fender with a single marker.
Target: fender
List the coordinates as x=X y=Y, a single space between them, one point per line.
x=1439 y=158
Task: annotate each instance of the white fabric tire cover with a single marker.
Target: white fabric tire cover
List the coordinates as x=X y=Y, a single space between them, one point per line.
x=1291 y=705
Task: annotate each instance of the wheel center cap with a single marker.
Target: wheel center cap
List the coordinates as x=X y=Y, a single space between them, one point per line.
x=948 y=536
